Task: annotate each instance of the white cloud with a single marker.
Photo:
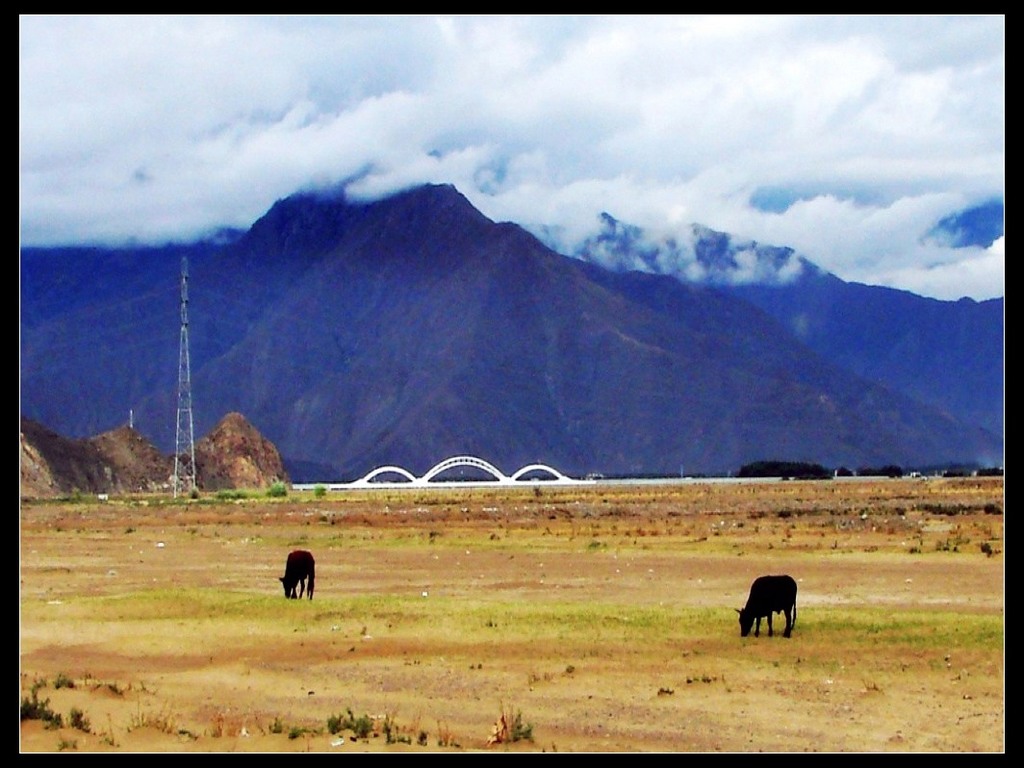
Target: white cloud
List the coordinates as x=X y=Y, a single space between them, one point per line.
x=153 y=127
x=971 y=275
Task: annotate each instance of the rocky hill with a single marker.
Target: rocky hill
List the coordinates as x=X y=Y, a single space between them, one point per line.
x=233 y=455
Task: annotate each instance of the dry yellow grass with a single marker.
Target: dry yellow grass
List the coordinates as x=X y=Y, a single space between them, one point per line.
x=569 y=620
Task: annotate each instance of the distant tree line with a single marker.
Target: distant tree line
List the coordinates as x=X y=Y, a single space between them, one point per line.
x=889 y=470
x=809 y=471
x=804 y=470
x=797 y=469
x=990 y=472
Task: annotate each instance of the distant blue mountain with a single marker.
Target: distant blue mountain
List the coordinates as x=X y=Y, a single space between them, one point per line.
x=979 y=226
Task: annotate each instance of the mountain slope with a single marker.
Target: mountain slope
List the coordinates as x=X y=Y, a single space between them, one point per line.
x=945 y=354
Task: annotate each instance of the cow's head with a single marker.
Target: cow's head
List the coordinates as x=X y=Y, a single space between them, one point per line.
x=746 y=621
x=289 y=586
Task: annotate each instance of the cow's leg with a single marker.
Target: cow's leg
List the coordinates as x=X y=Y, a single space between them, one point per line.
x=770 y=633
x=302 y=587
x=757 y=627
x=789 y=624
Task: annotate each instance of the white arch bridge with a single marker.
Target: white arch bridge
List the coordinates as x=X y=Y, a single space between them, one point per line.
x=377 y=477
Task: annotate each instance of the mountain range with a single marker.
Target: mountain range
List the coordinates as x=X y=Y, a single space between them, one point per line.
x=402 y=331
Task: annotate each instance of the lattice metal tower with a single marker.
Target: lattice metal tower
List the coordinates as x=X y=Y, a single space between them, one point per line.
x=184 y=449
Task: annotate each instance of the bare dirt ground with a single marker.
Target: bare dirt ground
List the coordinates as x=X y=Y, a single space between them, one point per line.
x=594 y=620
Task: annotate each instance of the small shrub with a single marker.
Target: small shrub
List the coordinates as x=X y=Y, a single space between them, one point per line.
x=445 y=738
x=277 y=490
x=278 y=727
x=521 y=731
x=361 y=727
x=34 y=709
x=319 y=491
x=78 y=720
x=334 y=724
x=392 y=734
x=510 y=728
x=63 y=681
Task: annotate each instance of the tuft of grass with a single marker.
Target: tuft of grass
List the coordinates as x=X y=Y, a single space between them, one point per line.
x=361 y=726
x=63 y=681
x=392 y=733
x=161 y=721
x=510 y=727
x=34 y=709
x=445 y=737
x=107 y=737
x=78 y=720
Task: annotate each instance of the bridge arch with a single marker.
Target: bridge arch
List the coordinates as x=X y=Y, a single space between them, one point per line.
x=539 y=467
x=465 y=461
x=384 y=470
x=459 y=461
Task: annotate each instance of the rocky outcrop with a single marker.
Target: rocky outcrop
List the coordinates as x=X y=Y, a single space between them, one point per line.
x=53 y=465
x=233 y=455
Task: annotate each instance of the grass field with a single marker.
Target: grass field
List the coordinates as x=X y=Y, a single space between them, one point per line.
x=554 y=619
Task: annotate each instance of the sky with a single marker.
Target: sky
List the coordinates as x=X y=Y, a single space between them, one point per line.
x=846 y=138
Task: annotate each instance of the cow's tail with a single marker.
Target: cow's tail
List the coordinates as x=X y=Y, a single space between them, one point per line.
x=792 y=625
x=312 y=578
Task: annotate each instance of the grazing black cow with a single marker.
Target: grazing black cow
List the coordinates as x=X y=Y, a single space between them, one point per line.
x=768 y=595
x=300 y=565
